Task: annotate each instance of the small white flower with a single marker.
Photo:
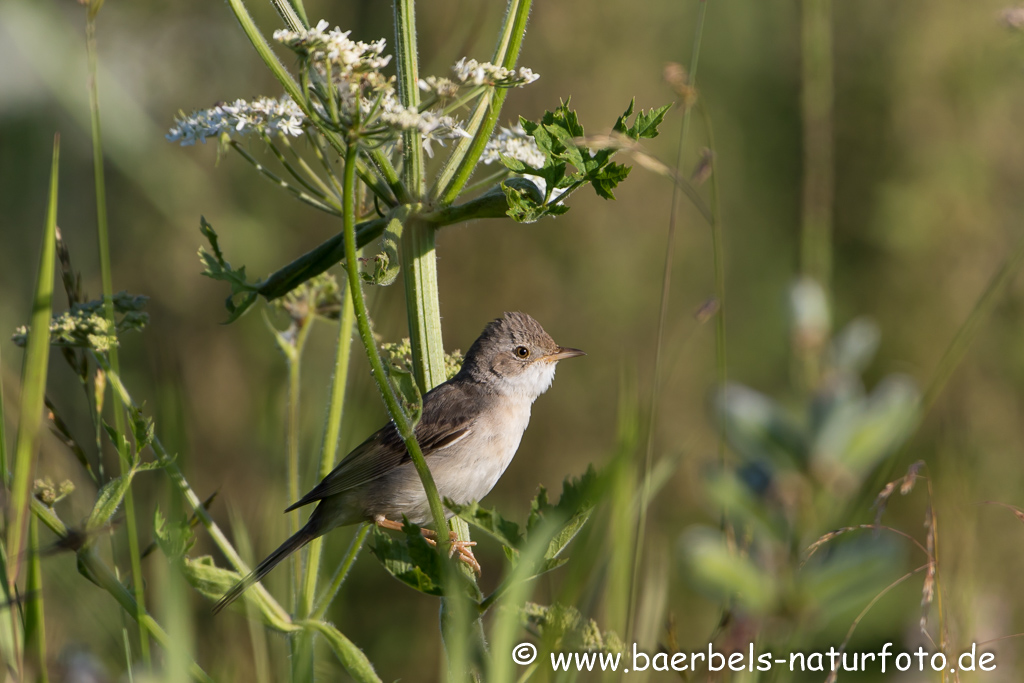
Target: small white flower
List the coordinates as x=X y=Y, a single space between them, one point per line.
x=335 y=46
x=485 y=73
x=239 y=118
x=441 y=86
x=515 y=143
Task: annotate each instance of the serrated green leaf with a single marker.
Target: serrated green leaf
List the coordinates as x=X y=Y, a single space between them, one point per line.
x=646 y=124
x=108 y=500
x=213 y=582
x=490 y=522
x=410 y=559
x=608 y=178
x=621 y=125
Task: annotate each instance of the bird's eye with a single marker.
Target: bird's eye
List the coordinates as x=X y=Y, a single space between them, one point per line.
x=522 y=352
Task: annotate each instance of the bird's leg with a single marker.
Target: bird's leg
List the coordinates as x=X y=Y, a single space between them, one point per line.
x=464 y=548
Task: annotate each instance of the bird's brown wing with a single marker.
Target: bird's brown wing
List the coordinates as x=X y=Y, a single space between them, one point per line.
x=448 y=414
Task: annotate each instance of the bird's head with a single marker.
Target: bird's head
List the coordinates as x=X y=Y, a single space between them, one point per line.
x=515 y=356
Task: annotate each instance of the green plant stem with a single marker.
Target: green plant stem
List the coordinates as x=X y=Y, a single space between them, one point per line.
x=481 y=123
x=332 y=432
x=319 y=259
x=334 y=586
x=398 y=417
x=102 y=234
x=409 y=93
x=294 y=351
x=282 y=621
x=321 y=203
x=33 y=391
x=35 y=625
x=419 y=258
x=656 y=384
x=94 y=568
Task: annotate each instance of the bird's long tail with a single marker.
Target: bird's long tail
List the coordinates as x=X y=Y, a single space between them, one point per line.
x=301 y=538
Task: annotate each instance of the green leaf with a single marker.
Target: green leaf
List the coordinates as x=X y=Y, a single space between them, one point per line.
x=490 y=522
x=108 y=500
x=213 y=582
x=758 y=429
x=175 y=539
x=410 y=559
x=725 y=573
x=352 y=659
x=386 y=263
x=523 y=207
x=608 y=178
x=219 y=269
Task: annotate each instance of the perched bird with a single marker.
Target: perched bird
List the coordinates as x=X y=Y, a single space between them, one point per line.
x=469 y=430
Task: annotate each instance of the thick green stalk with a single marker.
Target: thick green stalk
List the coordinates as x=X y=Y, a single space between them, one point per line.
x=401 y=421
x=481 y=123
x=419 y=259
x=409 y=93
x=102 y=234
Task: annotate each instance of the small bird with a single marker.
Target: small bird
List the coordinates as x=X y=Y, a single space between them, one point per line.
x=469 y=431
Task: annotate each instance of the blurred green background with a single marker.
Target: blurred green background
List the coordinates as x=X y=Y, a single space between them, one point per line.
x=929 y=169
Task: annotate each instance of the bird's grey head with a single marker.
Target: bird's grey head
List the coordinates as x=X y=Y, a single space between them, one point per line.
x=515 y=356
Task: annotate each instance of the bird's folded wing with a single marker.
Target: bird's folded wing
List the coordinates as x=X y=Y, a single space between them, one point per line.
x=447 y=418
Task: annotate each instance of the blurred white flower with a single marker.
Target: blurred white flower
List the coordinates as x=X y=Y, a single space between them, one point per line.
x=439 y=85
x=1013 y=17
x=485 y=73
x=239 y=118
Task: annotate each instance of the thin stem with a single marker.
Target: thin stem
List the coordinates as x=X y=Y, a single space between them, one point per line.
x=294 y=354
x=317 y=189
x=398 y=416
x=279 y=616
x=339 y=576
x=481 y=123
x=105 y=579
x=323 y=187
x=666 y=282
x=315 y=202
x=102 y=233
x=329 y=448
x=35 y=628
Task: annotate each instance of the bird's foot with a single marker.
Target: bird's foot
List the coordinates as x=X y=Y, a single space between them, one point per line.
x=463 y=548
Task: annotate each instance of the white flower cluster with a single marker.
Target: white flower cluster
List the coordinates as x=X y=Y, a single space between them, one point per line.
x=322 y=45
x=513 y=142
x=263 y=115
x=485 y=73
x=432 y=126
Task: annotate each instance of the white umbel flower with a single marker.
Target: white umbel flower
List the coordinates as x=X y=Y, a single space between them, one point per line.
x=335 y=46
x=239 y=118
x=484 y=73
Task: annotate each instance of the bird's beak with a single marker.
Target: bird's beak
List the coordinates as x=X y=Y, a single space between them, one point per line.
x=563 y=353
